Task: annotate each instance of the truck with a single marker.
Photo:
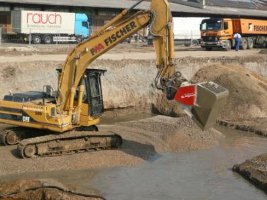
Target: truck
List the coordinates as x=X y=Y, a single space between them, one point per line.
x=48 y=27
x=186 y=30
x=219 y=32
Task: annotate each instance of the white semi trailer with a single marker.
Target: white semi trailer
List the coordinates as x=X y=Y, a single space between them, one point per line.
x=186 y=29
x=48 y=27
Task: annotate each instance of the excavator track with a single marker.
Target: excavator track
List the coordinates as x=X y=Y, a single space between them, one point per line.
x=11 y=136
x=68 y=143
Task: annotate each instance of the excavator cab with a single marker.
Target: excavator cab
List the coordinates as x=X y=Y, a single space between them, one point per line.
x=93 y=90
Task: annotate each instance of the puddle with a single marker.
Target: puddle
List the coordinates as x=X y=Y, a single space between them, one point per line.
x=197 y=175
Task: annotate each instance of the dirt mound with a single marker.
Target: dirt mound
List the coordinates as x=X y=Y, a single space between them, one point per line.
x=162 y=106
x=264 y=51
x=248 y=91
x=255 y=170
x=8 y=73
x=255 y=125
x=39 y=190
x=22 y=77
x=167 y=134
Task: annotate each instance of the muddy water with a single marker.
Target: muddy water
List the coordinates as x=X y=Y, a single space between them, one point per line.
x=195 y=175
x=198 y=175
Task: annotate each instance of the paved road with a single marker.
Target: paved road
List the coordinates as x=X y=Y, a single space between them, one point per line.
x=135 y=55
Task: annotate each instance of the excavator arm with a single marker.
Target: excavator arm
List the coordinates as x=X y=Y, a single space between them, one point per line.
x=158 y=18
x=117 y=30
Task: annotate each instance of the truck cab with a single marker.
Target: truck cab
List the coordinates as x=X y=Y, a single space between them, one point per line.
x=82 y=28
x=216 y=32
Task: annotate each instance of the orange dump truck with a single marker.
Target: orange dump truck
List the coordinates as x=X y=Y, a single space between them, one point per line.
x=218 y=32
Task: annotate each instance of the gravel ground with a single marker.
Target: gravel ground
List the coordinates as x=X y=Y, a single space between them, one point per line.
x=143 y=139
x=26 y=53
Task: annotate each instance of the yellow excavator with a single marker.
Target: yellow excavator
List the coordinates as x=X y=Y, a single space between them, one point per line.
x=62 y=121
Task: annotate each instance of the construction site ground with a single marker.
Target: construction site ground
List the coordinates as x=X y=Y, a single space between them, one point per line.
x=148 y=123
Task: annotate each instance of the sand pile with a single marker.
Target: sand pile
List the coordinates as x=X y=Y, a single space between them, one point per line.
x=248 y=91
x=167 y=134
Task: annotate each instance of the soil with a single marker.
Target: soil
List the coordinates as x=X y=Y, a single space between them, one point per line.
x=264 y=51
x=254 y=170
x=26 y=53
x=40 y=190
x=142 y=139
x=246 y=108
x=254 y=125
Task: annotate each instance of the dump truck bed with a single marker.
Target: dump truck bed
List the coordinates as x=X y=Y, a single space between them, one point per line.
x=250 y=26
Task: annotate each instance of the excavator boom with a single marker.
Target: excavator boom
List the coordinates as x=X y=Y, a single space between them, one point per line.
x=159 y=20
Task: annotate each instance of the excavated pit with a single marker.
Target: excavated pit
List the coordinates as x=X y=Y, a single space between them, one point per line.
x=131 y=101
x=128 y=87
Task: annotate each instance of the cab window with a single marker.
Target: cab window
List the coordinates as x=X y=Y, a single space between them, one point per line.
x=85 y=24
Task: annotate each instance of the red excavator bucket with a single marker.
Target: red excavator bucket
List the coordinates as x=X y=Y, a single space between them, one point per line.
x=203 y=102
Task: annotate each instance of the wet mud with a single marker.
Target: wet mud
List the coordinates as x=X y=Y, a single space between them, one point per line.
x=256 y=125
x=31 y=189
x=254 y=170
x=142 y=140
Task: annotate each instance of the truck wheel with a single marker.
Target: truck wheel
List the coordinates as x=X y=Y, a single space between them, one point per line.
x=244 y=43
x=47 y=39
x=195 y=42
x=228 y=45
x=250 y=43
x=208 y=48
x=36 y=39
